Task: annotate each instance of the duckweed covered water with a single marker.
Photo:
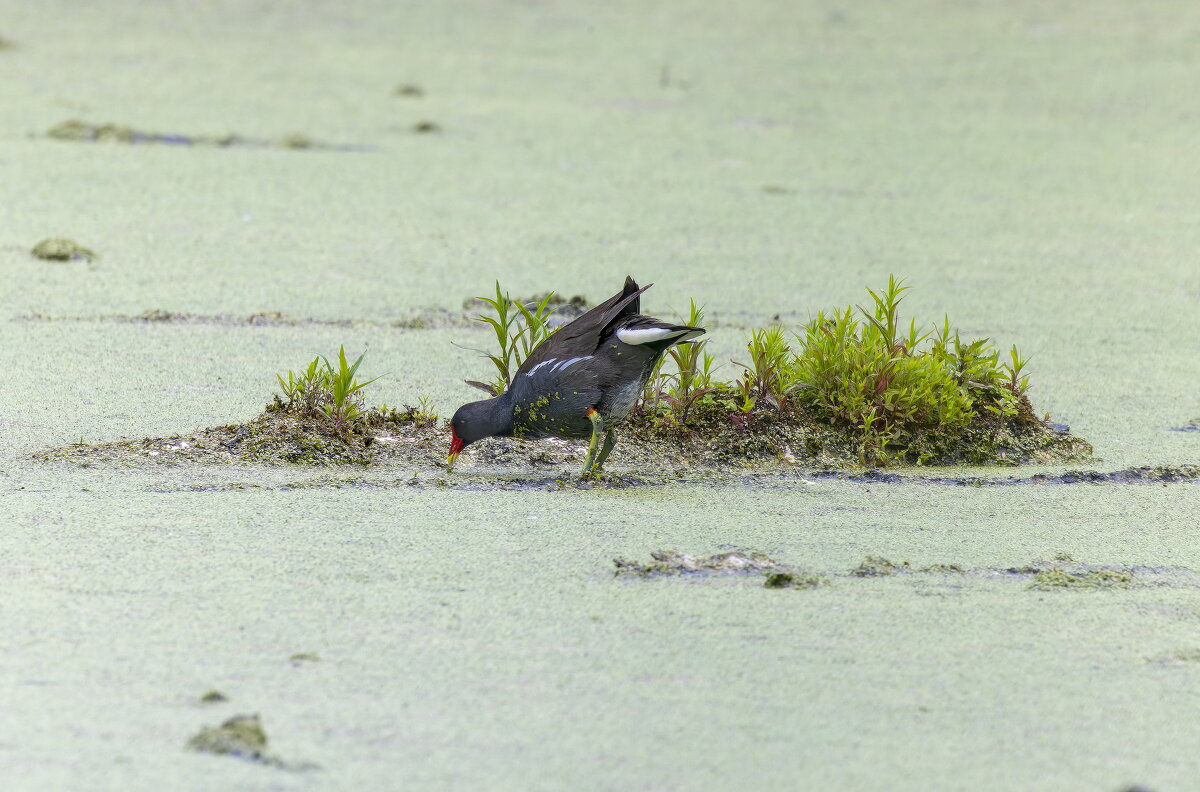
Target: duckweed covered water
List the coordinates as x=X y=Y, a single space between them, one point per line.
x=1028 y=169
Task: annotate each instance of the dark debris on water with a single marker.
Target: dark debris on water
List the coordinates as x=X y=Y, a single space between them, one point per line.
x=670 y=563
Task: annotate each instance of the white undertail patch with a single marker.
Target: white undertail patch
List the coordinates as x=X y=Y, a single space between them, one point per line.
x=648 y=335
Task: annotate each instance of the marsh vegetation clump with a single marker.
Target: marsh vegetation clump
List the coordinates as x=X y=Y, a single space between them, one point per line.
x=241 y=736
x=62 y=249
x=214 y=697
x=324 y=391
x=1056 y=578
x=320 y=417
x=876 y=566
x=299 y=658
x=670 y=563
x=794 y=580
x=855 y=381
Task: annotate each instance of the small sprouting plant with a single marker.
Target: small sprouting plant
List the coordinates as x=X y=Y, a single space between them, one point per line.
x=323 y=390
x=346 y=402
x=424 y=410
x=691 y=381
x=673 y=395
x=421 y=415
x=1018 y=383
x=301 y=390
x=769 y=375
x=519 y=330
x=693 y=364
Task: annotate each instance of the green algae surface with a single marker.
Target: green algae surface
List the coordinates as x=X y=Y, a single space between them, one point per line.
x=1029 y=169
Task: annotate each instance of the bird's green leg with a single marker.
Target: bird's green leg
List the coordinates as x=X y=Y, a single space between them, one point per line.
x=589 y=463
x=610 y=440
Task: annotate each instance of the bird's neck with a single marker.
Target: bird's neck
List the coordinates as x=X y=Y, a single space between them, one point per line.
x=501 y=416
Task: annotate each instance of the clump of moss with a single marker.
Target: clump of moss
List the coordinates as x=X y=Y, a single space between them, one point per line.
x=794 y=580
x=241 y=736
x=875 y=566
x=62 y=249
x=409 y=91
x=304 y=657
x=1058 y=578
x=213 y=697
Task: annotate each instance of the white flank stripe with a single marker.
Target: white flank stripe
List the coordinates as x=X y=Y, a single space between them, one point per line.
x=646 y=335
x=567 y=363
x=538 y=366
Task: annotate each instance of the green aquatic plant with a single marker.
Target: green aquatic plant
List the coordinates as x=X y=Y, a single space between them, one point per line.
x=421 y=415
x=673 y=395
x=864 y=371
x=322 y=389
x=519 y=330
x=771 y=372
x=346 y=402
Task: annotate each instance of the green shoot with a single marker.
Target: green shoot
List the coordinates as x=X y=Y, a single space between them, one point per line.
x=323 y=391
x=692 y=380
x=518 y=331
x=769 y=375
x=342 y=385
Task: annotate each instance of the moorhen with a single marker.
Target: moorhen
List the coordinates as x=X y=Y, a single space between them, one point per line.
x=579 y=382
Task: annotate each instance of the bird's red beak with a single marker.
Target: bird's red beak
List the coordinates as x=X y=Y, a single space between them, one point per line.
x=456 y=447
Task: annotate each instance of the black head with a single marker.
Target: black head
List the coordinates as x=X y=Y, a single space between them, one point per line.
x=478 y=420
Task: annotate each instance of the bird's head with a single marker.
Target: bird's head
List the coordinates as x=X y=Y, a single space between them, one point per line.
x=471 y=422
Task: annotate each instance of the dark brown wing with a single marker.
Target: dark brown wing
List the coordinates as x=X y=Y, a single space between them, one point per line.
x=582 y=336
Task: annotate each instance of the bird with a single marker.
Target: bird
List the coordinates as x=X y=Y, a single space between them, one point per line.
x=578 y=383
